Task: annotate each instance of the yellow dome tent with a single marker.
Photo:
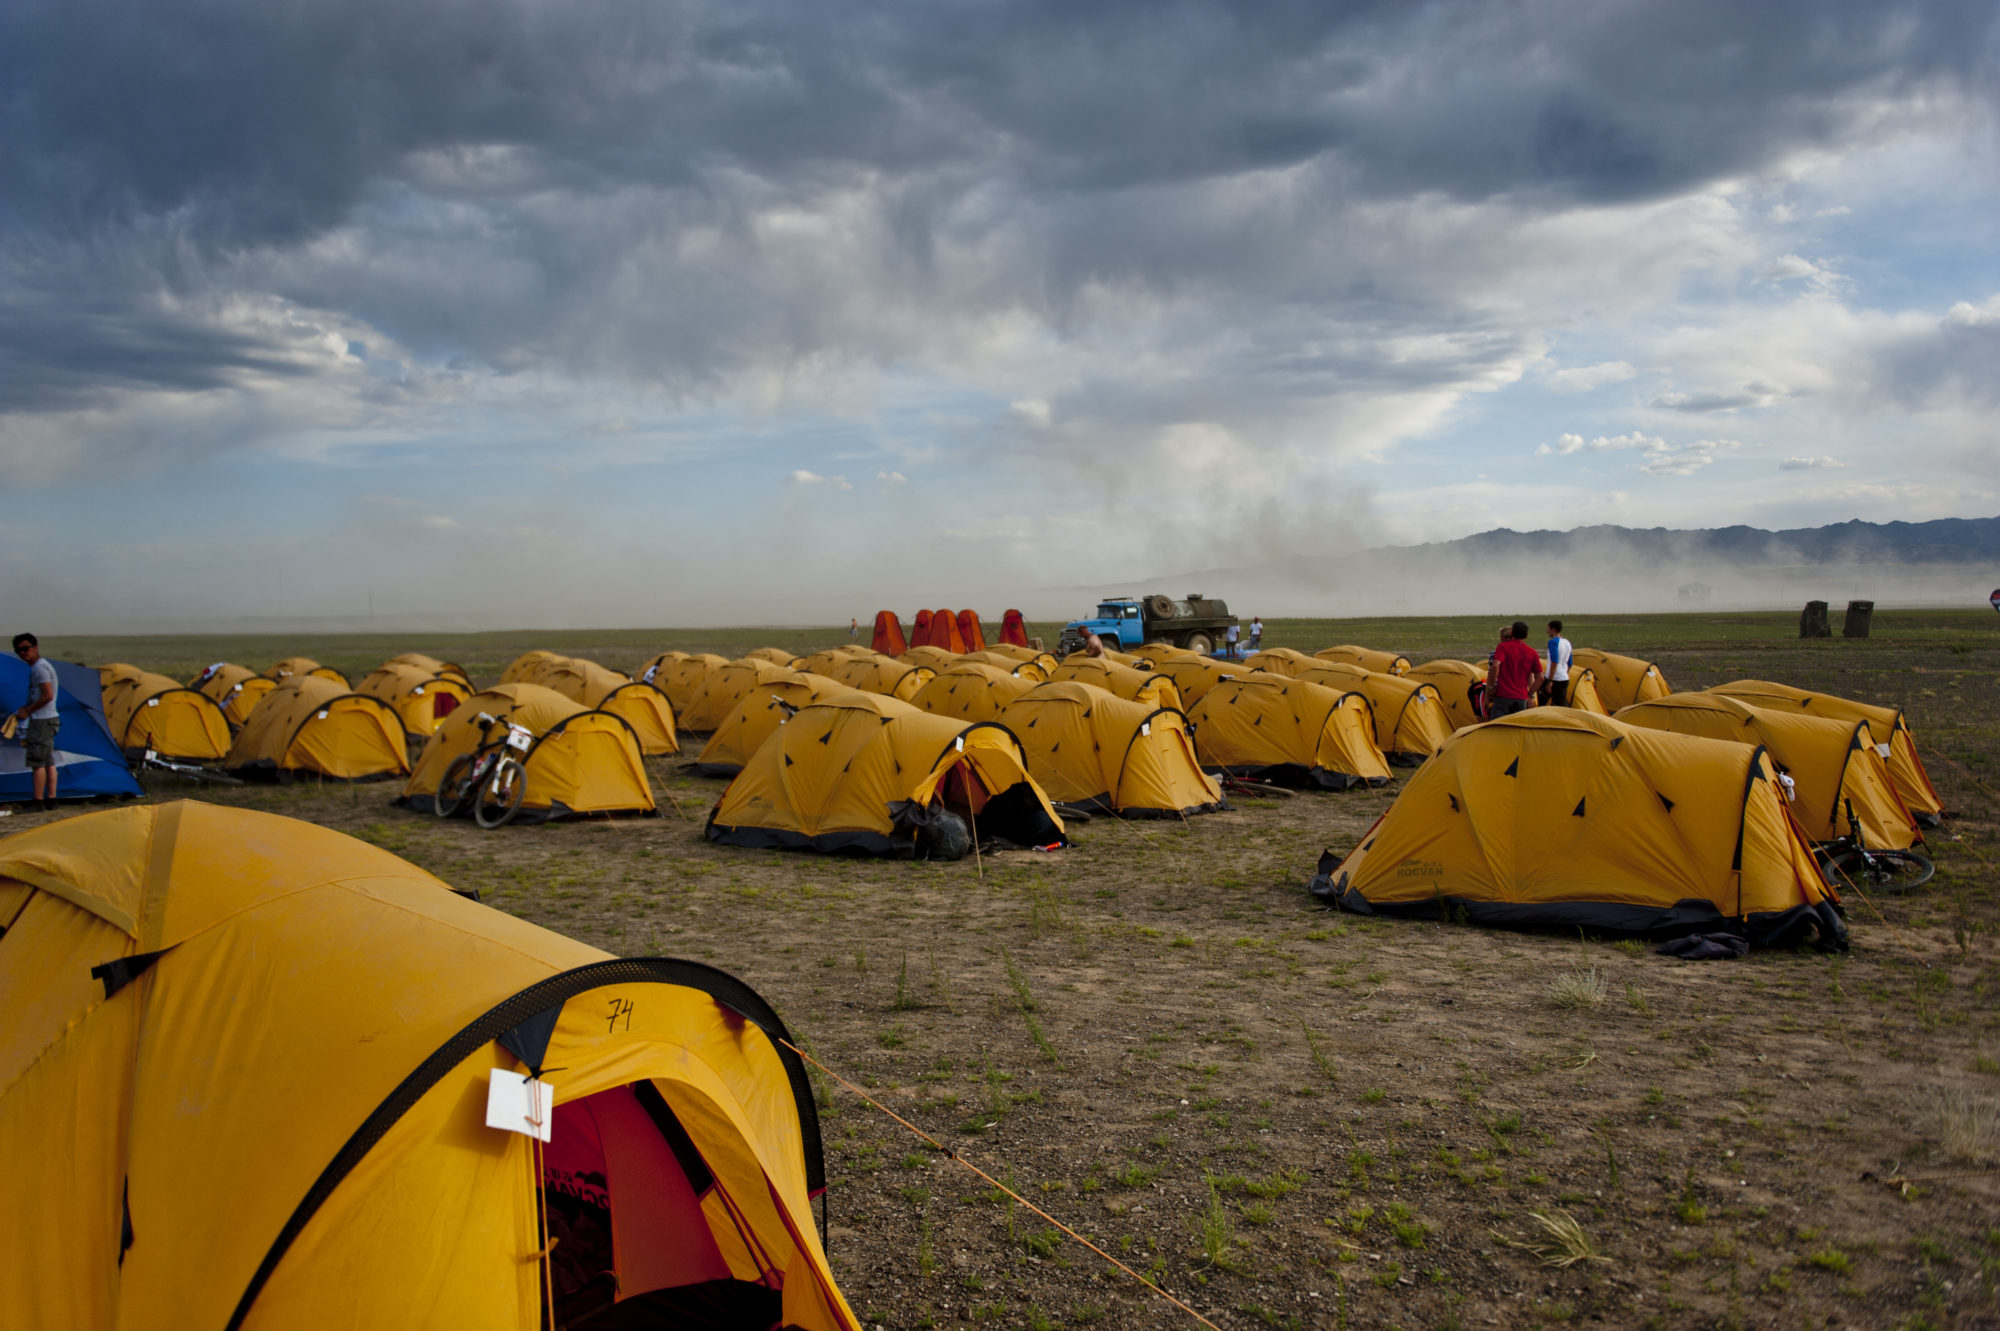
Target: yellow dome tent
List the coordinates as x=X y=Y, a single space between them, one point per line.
x=524 y=668
x=235 y=689
x=1014 y=652
x=311 y=724
x=1409 y=715
x=1193 y=676
x=644 y=706
x=1284 y=661
x=1583 y=694
x=775 y=655
x=1833 y=763
x=885 y=675
x=316 y=1152
x=1028 y=666
x=759 y=712
x=724 y=688
x=421 y=697
x=1090 y=748
x=1556 y=817
x=681 y=678
x=1621 y=680
x=1887 y=726
x=937 y=658
x=971 y=691
x=1124 y=681
x=1460 y=683
x=1384 y=663
x=583 y=760
x=304 y=665
x=863 y=772
x=432 y=664
x=821 y=663
x=148 y=711
x=1288 y=731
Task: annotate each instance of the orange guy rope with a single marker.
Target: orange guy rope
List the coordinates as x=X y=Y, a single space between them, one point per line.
x=951 y=1154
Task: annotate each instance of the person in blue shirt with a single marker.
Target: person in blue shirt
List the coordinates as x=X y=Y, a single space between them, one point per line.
x=1559 y=659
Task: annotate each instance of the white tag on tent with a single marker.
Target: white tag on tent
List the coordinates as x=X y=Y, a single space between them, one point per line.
x=960 y=742
x=1145 y=727
x=152 y=702
x=1882 y=749
x=515 y=1104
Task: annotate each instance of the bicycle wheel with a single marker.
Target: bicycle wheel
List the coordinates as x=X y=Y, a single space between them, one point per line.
x=455 y=787
x=1884 y=870
x=500 y=794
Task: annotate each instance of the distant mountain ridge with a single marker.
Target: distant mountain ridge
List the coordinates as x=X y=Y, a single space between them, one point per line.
x=1941 y=541
x=1948 y=561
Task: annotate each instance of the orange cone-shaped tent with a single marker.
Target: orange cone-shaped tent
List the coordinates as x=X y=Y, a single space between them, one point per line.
x=321 y=1156
x=151 y=712
x=1014 y=629
x=1556 y=817
x=971 y=633
x=1887 y=726
x=920 y=630
x=888 y=638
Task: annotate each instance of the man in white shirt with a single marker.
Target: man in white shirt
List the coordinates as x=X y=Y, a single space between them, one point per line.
x=1229 y=641
x=1559 y=658
x=1256 y=633
x=42 y=718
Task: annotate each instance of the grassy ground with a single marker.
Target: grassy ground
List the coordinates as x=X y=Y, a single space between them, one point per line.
x=1294 y=1118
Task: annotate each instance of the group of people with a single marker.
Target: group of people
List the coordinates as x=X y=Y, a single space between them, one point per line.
x=1518 y=676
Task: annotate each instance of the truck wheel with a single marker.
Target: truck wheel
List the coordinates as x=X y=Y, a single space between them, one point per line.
x=1160 y=606
x=1199 y=642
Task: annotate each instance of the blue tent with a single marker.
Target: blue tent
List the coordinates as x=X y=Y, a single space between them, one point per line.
x=88 y=763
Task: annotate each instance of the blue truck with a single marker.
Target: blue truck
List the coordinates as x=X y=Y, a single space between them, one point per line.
x=1123 y=623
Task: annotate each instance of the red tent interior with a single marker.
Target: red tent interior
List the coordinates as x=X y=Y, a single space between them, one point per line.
x=889 y=634
x=1013 y=629
x=970 y=634
x=622 y=1188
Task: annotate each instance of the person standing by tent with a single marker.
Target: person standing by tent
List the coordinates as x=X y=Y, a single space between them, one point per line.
x=42 y=718
x=853 y=629
x=1256 y=633
x=1230 y=637
x=1516 y=673
x=1559 y=658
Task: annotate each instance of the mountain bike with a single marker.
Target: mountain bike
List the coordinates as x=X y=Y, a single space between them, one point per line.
x=491 y=779
x=1847 y=860
x=153 y=762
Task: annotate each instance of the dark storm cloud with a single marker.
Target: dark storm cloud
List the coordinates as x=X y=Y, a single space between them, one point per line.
x=590 y=186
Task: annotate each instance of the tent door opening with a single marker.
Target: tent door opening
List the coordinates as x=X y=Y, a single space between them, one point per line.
x=633 y=1244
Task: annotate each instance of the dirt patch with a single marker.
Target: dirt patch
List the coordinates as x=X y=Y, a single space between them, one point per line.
x=1290 y=1117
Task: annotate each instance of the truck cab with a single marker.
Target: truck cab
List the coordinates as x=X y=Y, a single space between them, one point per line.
x=1123 y=623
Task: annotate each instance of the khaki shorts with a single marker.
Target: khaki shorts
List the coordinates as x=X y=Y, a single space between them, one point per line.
x=40 y=741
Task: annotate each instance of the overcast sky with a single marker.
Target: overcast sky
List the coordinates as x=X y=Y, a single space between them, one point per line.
x=641 y=312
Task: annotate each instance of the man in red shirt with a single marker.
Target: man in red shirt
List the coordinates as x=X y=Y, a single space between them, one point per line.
x=1516 y=673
